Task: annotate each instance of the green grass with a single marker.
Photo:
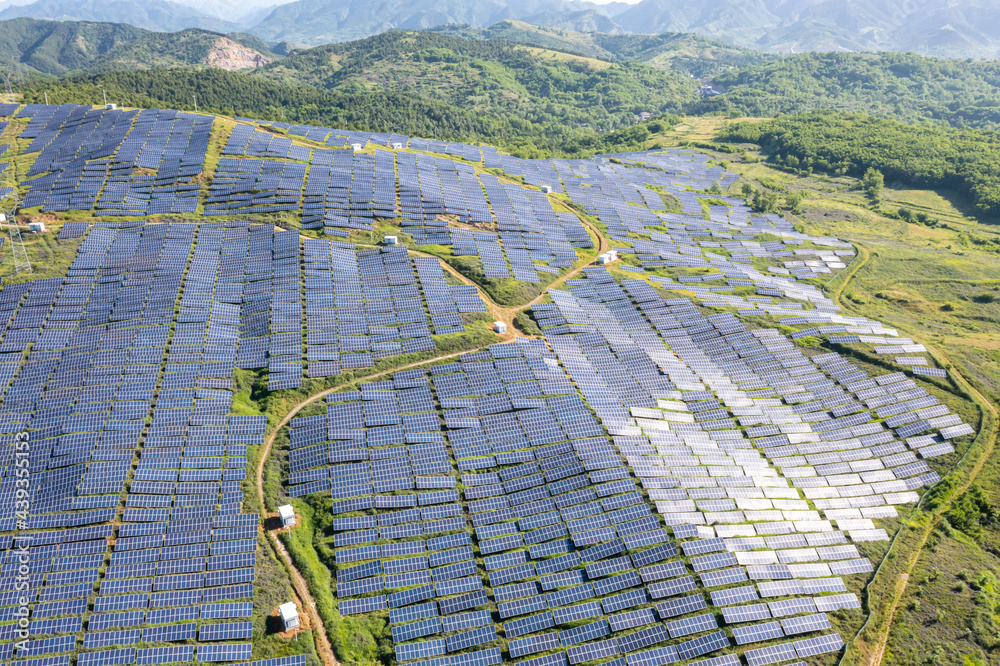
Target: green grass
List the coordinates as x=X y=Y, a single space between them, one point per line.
x=526 y=323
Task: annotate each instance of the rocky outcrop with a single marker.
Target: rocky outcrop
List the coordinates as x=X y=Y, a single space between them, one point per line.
x=227 y=54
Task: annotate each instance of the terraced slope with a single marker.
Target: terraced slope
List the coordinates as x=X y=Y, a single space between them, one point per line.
x=692 y=459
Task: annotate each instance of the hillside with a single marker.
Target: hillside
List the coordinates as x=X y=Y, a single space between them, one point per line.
x=488 y=76
x=57 y=47
x=235 y=93
x=61 y=47
x=190 y=47
x=903 y=86
x=686 y=53
x=713 y=312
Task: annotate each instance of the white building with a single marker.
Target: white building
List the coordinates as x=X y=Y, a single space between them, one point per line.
x=36 y=227
x=289 y=615
x=390 y=240
x=500 y=327
x=607 y=257
x=287 y=515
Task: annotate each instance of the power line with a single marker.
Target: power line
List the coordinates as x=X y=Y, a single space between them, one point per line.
x=9 y=213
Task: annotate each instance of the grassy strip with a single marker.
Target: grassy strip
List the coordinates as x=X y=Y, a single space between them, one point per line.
x=362 y=639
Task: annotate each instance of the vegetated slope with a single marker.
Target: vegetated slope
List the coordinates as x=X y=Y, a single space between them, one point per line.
x=190 y=47
x=57 y=47
x=686 y=53
x=149 y=14
x=926 y=156
x=491 y=76
x=896 y=85
x=234 y=93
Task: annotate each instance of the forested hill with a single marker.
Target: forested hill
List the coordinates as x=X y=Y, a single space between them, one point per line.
x=56 y=47
x=903 y=86
x=61 y=47
x=187 y=48
x=686 y=53
x=492 y=76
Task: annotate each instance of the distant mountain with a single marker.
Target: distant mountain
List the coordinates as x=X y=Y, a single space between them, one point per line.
x=245 y=12
x=61 y=47
x=321 y=21
x=943 y=28
x=685 y=53
x=160 y=15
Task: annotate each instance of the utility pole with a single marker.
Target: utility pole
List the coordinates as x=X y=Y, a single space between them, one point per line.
x=46 y=98
x=105 y=97
x=195 y=97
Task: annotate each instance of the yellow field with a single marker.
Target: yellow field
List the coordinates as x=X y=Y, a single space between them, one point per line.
x=559 y=56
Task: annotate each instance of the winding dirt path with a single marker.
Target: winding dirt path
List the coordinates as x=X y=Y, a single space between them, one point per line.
x=298 y=583
x=502 y=313
x=507 y=314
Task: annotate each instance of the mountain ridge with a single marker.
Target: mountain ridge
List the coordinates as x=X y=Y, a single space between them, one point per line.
x=929 y=27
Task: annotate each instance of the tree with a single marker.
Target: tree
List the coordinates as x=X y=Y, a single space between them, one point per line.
x=764 y=202
x=793 y=201
x=873 y=183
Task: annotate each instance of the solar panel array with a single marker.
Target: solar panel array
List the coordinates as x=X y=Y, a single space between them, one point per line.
x=135 y=533
x=750 y=451
x=564 y=533
x=648 y=484
x=348 y=190
x=97 y=159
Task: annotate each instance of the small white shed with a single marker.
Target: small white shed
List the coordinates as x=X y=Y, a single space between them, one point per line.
x=287 y=515
x=396 y=145
x=356 y=146
x=546 y=189
x=289 y=615
x=608 y=257
x=390 y=240
x=36 y=227
x=500 y=327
